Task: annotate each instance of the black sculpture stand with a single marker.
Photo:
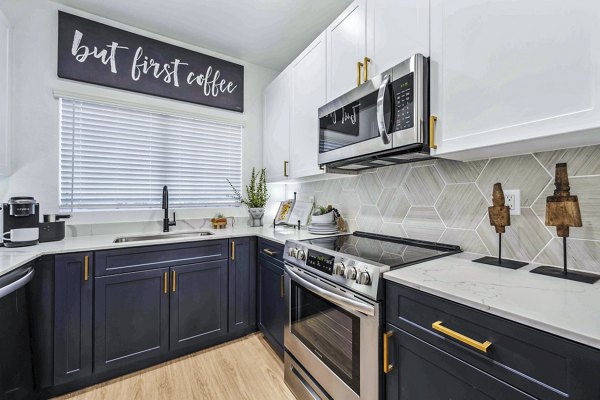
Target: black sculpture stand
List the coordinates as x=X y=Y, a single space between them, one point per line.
x=563 y=273
x=499 y=262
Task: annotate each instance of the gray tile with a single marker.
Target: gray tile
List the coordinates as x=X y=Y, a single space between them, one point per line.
x=368 y=219
x=78 y=230
x=348 y=204
x=394 y=175
x=468 y=240
x=587 y=190
x=369 y=249
x=423 y=223
x=460 y=172
x=523 y=240
x=461 y=206
x=520 y=172
x=369 y=188
x=396 y=230
x=349 y=183
x=330 y=193
x=352 y=225
x=580 y=160
x=423 y=186
x=393 y=205
x=581 y=254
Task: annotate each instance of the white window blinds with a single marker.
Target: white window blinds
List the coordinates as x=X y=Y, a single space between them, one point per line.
x=115 y=157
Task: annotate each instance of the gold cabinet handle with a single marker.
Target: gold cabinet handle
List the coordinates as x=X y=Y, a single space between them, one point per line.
x=282 y=287
x=232 y=250
x=359 y=66
x=86 y=268
x=432 y=123
x=366 y=60
x=461 y=338
x=387 y=367
x=269 y=252
x=174 y=279
x=165 y=283
x=285 y=166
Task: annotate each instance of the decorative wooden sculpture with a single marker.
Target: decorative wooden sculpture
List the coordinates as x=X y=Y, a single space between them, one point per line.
x=562 y=211
x=499 y=214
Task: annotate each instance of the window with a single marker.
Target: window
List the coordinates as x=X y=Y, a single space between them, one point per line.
x=114 y=157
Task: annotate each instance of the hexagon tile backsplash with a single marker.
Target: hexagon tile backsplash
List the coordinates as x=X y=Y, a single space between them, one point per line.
x=446 y=201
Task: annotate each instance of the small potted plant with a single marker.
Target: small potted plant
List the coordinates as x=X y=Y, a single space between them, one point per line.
x=256 y=196
x=219 y=221
x=323 y=215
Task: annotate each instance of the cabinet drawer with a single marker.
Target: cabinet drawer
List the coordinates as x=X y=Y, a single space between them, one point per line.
x=541 y=364
x=271 y=250
x=150 y=257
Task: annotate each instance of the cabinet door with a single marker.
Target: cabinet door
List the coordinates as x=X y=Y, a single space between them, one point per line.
x=346 y=46
x=505 y=74
x=198 y=303
x=73 y=277
x=309 y=92
x=242 y=285
x=276 y=138
x=422 y=371
x=271 y=302
x=395 y=31
x=131 y=319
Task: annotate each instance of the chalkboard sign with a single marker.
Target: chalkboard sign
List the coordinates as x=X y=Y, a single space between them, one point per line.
x=96 y=53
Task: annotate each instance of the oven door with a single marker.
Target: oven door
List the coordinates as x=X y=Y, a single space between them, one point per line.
x=350 y=125
x=333 y=335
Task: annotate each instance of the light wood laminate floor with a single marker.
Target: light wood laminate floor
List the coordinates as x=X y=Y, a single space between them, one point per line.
x=246 y=368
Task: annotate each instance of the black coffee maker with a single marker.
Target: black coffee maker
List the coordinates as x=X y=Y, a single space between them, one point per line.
x=19 y=222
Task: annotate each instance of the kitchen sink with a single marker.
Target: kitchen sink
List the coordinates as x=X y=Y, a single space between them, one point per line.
x=162 y=236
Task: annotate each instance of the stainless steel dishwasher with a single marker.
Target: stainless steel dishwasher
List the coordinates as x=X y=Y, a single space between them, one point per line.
x=16 y=373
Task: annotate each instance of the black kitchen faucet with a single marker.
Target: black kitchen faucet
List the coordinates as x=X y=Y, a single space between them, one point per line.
x=165 y=205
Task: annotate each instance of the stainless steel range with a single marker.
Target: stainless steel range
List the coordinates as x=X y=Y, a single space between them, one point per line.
x=334 y=298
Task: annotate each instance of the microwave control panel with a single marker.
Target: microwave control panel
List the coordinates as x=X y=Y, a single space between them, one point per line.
x=403 y=93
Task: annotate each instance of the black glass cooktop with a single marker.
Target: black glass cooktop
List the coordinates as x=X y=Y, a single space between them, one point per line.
x=389 y=250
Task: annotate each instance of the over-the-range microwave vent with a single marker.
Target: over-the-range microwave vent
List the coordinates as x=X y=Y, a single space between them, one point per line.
x=404 y=155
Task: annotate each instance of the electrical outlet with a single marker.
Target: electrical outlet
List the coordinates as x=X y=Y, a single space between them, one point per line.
x=512 y=198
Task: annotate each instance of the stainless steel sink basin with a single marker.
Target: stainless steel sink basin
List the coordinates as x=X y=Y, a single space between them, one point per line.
x=162 y=236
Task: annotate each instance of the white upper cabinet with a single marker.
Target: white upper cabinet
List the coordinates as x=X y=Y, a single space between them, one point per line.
x=5 y=62
x=308 y=94
x=346 y=47
x=511 y=77
x=276 y=136
x=396 y=29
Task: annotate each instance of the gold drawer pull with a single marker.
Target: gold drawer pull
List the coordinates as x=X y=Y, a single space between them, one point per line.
x=174 y=278
x=269 y=252
x=232 y=250
x=359 y=66
x=387 y=367
x=86 y=268
x=285 y=171
x=461 y=338
x=165 y=283
x=432 y=122
x=366 y=60
x=282 y=287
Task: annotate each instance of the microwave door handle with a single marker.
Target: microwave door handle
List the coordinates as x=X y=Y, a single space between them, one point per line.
x=380 y=117
x=334 y=298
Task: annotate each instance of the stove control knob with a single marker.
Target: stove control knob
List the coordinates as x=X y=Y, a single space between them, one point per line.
x=301 y=255
x=339 y=269
x=292 y=252
x=363 y=278
x=350 y=273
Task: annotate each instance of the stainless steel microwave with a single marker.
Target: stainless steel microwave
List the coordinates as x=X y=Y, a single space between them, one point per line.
x=381 y=122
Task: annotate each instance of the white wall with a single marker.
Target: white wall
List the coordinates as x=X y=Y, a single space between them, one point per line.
x=34 y=125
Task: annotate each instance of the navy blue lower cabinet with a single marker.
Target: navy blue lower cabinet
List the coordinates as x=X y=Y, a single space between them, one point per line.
x=131 y=318
x=271 y=302
x=198 y=304
x=422 y=371
x=242 y=285
x=73 y=317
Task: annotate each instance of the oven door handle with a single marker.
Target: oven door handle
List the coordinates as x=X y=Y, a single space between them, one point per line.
x=334 y=298
x=380 y=115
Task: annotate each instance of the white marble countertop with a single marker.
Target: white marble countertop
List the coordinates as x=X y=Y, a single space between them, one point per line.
x=564 y=308
x=12 y=258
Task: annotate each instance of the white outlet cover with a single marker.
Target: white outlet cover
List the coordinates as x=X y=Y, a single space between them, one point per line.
x=512 y=199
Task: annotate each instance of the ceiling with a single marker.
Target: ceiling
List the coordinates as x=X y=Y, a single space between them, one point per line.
x=270 y=33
